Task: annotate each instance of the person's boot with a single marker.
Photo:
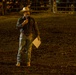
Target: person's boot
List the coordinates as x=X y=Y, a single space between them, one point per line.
x=18 y=64
x=28 y=64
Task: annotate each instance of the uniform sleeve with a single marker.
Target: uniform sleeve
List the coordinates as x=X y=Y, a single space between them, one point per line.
x=36 y=29
x=19 y=23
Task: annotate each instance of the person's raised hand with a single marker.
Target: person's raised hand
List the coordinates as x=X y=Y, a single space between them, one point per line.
x=25 y=22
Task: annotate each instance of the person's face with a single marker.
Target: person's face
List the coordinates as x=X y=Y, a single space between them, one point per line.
x=26 y=13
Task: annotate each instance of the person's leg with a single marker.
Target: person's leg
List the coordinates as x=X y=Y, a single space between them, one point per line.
x=29 y=54
x=29 y=49
x=21 y=45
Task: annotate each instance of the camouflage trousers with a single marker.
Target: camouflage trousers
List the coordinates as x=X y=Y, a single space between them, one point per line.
x=25 y=43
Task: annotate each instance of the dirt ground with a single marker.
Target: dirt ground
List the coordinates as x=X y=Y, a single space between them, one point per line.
x=55 y=56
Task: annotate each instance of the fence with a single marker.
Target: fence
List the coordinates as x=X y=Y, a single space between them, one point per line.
x=59 y=7
x=66 y=7
x=17 y=6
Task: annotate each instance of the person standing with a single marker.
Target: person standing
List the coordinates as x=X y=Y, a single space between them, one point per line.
x=28 y=28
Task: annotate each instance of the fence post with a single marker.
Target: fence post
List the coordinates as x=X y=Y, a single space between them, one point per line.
x=1 y=8
x=4 y=9
x=54 y=6
x=50 y=4
x=72 y=8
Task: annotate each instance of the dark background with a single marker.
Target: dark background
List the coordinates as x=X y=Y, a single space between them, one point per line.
x=55 y=56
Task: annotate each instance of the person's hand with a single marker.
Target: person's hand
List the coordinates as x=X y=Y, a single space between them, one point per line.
x=38 y=37
x=25 y=22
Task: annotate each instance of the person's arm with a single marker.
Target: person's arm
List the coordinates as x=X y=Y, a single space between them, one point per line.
x=24 y=22
x=21 y=23
x=37 y=30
